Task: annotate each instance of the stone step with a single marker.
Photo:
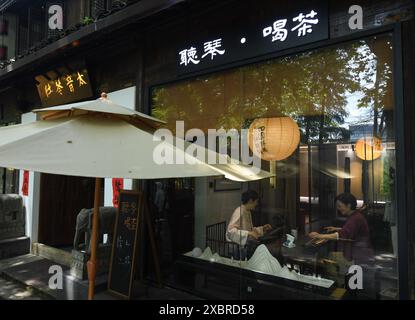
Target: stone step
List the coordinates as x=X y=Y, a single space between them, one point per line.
x=12 y=290
x=14 y=247
x=59 y=256
x=19 y=260
x=35 y=274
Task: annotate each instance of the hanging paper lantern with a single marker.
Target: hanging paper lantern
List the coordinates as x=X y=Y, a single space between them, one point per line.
x=273 y=139
x=369 y=148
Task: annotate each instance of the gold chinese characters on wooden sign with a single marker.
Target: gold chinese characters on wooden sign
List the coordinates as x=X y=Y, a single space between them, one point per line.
x=64 y=88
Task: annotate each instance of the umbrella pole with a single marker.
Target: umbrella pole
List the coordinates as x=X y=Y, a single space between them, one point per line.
x=92 y=263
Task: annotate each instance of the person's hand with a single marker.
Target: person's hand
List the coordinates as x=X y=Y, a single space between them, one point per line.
x=314 y=235
x=331 y=229
x=267 y=227
x=253 y=234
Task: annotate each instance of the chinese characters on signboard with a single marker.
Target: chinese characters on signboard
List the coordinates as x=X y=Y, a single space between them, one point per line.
x=125 y=243
x=25 y=184
x=128 y=209
x=65 y=85
x=306 y=25
x=211 y=49
x=67 y=88
x=117 y=186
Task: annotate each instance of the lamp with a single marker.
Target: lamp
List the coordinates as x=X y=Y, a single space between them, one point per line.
x=369 y=148
x=273 y=139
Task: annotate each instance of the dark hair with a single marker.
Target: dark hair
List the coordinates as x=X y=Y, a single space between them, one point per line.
x=347 y=198
x=248 y=195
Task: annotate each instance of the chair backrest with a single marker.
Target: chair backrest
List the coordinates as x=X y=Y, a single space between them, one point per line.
x=216 y=236
x=216 y=240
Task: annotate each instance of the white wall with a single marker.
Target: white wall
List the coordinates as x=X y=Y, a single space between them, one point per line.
x=31 y=201
x=212 y=207
x=126 y=98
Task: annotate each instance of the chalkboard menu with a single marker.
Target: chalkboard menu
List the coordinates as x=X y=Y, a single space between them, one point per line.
x=125 y=243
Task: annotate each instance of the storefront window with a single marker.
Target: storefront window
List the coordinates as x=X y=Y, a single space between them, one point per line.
x=335 y=107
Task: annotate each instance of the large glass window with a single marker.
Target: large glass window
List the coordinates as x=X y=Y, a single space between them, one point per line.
x=328 y=122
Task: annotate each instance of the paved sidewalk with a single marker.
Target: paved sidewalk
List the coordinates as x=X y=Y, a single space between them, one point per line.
x=33 y=272
x=11 y=290
x=27 y=277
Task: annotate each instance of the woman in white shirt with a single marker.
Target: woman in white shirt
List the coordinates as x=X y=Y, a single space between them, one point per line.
x=240 y=228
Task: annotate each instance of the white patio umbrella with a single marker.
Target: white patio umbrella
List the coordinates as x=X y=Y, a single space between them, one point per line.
x=101 y=139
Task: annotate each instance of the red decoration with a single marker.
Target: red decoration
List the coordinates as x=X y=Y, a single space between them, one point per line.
x=3 y=53
x=117 y=185
x=4 y=27
x=25 y=185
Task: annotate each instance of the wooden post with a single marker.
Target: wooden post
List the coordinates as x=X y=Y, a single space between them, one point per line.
x=92 y=263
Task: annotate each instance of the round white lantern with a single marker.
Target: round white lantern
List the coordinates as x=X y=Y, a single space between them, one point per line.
x=368 y=148
x=273 y=139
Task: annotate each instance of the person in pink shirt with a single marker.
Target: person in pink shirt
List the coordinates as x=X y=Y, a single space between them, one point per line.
x=355 y=230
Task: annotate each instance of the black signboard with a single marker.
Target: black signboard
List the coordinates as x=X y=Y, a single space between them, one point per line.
x=305 y=24
x=124 y=245
x=69 y=83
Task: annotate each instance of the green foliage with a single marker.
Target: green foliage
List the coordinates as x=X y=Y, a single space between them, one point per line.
x=311 y=87
x=87 y=20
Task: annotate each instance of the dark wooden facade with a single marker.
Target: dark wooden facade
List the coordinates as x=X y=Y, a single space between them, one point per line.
x=144 y=54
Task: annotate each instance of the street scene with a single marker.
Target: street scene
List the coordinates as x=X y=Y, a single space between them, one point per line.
x=181 y=151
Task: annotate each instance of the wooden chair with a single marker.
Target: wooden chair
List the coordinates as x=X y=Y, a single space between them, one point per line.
x=216 y=240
